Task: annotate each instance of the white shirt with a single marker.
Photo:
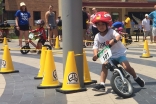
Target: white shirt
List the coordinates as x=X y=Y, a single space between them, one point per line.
x=146 y=24
x=118 y=49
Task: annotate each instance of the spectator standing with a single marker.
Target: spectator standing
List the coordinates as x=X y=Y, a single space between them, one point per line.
x=127 y=23
x=85 y=19
x=59 y=25
x=5 y=28
x=147 y=28
x=22 y=22
x=94 y=28
x=50 y=21
x=132 y=25
x=152 y=16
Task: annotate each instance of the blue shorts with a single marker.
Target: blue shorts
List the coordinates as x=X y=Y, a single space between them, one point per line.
x=120 y=59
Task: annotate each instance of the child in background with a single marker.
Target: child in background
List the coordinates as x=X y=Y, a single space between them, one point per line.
x=41 y=34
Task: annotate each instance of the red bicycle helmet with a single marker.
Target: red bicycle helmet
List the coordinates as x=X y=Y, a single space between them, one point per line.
x=102 y=17
x=40 y=22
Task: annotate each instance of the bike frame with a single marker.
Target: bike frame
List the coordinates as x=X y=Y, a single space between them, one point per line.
x=30 y=41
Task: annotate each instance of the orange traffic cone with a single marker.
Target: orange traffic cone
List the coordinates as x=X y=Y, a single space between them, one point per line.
x=50 y=79
x=57 y=44
x=87 y=79
x=71 y=79
x=42 y=62
x=7 y=65
x=146 y=53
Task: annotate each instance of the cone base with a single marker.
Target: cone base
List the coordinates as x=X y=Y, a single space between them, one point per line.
x=145 y=57
x=48 y=87
x=57 y=48
x=38 y=77
x=90 y=82
x=70 y=91
x=14 y=71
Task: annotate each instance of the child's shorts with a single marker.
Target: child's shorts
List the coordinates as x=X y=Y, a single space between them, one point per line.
x=42 y=40
x=120 y=59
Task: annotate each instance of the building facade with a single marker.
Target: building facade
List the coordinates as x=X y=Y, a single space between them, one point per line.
x=117 y=8
x=37 y=8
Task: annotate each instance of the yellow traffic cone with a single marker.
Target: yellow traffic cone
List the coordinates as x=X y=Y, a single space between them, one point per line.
x=123 y=41
x=71 y=79
x=57 y=44
x=146 y=53
x=50 y=79
x=42 y=62
x=87 y=79
x=7 y=65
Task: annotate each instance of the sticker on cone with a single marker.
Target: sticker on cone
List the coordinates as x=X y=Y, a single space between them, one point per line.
x=73 y=78
x=55 y=75
x=71 y=82
x=3 y=64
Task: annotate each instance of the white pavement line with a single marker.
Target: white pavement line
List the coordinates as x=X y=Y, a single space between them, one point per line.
x=2 y=84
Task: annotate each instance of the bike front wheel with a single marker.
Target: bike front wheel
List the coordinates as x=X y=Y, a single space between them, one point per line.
x=121 y=89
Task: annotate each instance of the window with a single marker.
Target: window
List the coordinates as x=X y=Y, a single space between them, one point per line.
x=115 y=16
x=37 y=15
x=10 y=15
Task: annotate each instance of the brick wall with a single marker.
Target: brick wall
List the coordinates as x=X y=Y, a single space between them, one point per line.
x=32 y=5
x=103 y=0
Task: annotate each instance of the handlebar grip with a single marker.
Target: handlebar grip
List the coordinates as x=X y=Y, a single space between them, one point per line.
x=109 y=46
x=93 y=59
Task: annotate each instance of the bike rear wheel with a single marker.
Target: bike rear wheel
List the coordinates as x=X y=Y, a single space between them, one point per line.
x=121 y=89
x=25 y=49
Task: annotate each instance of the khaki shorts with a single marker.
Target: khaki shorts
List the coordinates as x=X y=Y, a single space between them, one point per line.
x=154 y=31
x=147 y=33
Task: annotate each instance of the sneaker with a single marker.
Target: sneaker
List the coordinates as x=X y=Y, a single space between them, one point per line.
x=140 y=81
x=99 y=87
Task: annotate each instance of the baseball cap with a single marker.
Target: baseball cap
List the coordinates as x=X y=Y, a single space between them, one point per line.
x=22 y=4
x=146 y=15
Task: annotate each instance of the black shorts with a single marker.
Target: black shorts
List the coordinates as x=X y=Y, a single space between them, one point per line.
x=59 y=32
x=24 y=27
x=128 y=30
x=41 y=40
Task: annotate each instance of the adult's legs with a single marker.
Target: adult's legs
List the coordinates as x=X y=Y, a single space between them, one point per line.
x=154 y=33
x=55 y=34
x=50 y=34
x=26 y=35
x=20 y=38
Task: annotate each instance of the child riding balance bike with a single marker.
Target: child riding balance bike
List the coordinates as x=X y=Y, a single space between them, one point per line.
x=42 y=39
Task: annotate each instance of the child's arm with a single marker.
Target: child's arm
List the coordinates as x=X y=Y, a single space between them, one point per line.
x=33 y=31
